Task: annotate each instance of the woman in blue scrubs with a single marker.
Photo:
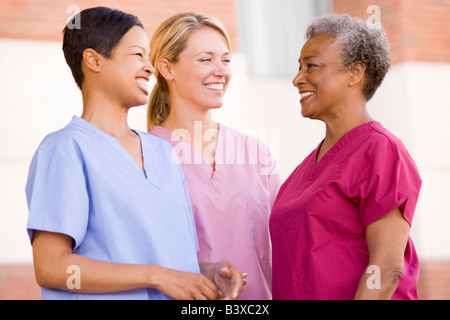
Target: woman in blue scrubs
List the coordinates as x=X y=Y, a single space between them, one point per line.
x=109 y=211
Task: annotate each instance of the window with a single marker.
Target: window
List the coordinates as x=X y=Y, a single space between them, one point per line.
x=273 y=32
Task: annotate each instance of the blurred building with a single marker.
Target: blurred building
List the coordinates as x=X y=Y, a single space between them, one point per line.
x=38 y=96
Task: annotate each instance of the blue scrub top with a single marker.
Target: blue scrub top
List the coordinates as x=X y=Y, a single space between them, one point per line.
x=82 y=183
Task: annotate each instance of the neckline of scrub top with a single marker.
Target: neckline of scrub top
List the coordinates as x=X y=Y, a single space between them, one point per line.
x=213 y=175
x=152 y=174
x=317 y=167
x=146 y=174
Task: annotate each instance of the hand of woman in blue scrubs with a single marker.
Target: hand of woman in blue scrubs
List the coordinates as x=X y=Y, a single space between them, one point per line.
x=184 y=285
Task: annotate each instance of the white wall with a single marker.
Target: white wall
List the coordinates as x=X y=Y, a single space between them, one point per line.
x=38 y=96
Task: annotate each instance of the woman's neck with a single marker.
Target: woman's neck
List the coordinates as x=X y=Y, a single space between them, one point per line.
x=339 y=125
x=192 y=120
x=108 y=116
x=202 y=132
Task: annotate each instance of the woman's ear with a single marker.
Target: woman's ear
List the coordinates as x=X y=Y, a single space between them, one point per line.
x=165 y=68
x=357 y=74
x=91 y=59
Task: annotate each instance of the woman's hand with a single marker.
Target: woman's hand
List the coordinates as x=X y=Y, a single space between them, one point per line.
x=228 y=279
x=185 y=285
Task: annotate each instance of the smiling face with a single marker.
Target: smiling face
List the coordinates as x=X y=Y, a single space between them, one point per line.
x=202 y=72
x=127 y=72
x=321 y=80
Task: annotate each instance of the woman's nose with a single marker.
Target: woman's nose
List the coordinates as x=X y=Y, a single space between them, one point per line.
x=148 y=67
x=299 y=79
x=221 y=69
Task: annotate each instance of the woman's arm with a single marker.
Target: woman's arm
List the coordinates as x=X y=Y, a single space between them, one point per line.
x=386 y=240
x=52 y=253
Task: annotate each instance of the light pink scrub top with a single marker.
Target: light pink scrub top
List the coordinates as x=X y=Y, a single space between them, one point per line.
x=232 y=204
x=321 y=213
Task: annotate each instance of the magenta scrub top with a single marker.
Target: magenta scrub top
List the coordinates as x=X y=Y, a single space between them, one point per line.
x=321 y=213
x=231 y=204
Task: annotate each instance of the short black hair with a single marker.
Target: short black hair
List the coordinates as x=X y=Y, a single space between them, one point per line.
x=101 y=29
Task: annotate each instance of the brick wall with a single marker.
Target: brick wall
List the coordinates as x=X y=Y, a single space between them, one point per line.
x=17 y=282
x=44 y=20
x=434 y=281
x=419 y=30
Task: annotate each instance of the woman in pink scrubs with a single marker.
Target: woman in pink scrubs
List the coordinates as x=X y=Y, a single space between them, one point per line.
x=231 y=177
x=340 y=223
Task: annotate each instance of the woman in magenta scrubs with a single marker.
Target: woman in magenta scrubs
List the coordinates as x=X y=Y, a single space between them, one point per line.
x=231 y=177
x=340 y=223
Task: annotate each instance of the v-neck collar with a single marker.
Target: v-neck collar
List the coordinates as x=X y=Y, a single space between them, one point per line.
x=193 y=157
x=148 y=172
x=342 y=142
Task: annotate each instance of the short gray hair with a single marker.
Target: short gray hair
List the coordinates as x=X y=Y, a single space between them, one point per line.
x=357 y=41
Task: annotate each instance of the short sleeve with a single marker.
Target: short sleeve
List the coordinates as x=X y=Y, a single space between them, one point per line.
x=56 y=190
x=389 y=179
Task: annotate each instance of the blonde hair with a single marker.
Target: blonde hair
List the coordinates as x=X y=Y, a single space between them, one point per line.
x=168 y=41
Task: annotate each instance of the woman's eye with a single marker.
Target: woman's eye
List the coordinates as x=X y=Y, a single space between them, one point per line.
x=205 y=60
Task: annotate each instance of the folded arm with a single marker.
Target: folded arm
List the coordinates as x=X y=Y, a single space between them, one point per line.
x=52 y=254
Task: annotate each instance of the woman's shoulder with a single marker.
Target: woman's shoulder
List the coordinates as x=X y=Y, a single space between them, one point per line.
x=381 y=134
x=62 y=140
x=381 y=139
x=380 y=148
